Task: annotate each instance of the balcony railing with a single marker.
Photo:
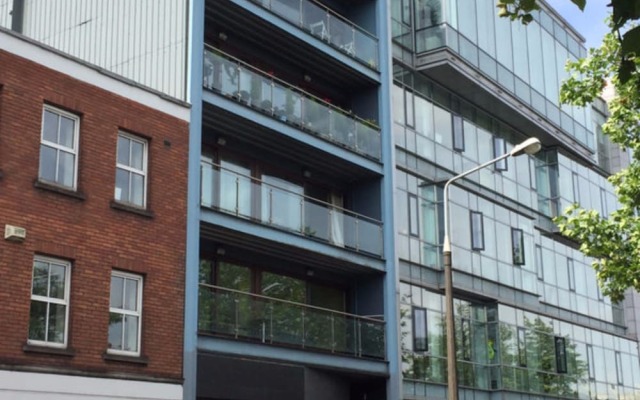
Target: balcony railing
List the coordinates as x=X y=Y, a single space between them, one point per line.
x=329 y=26
x=268 y=320
x=288 y=209
x=255 y=88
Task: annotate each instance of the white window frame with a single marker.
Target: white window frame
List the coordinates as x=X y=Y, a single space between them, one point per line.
x=122 y=311
x=58 y=147
x=49 y=300
x=132 y=170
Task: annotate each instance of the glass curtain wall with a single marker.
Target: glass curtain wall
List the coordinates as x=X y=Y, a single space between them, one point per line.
x=528 y=61
x=504 y=348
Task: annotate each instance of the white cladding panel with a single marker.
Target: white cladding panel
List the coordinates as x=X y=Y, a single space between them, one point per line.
x=142 y=40
x=16 y=385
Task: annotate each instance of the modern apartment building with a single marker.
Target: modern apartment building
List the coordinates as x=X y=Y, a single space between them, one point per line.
x=288 y=241
x=530 y=320
x=92 y=203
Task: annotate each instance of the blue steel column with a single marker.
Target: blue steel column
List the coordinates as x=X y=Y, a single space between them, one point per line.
x=195 y=59
x=391 y=282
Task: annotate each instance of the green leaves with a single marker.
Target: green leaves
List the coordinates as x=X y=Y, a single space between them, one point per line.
x=580 y=3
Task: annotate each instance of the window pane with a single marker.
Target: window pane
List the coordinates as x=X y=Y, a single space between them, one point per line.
x=517 y=243
x=137 y=189
x=131 y=295
x=117 y=289
x=477 y=231
x=122 y=185
x=123 y=150
x=66 y=168
x=561 y=355
x=499 y=148
x=234 y=277
x=115 y=331
x=40 y=278
x=66 y=132
x=420 y=329
x=572 y=275
x=57 y=317
x=50 y=126
x=130 y=333
x=283 y=287
x=413 y=216
x=137 y=155
x=57 y=281
x=458 y=133
x=37 y=320
x=47 y=163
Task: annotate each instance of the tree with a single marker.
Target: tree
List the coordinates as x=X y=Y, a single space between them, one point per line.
x=623 y=12
x=613 y=241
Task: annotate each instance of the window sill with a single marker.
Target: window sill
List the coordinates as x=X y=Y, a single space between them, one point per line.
x=116 y=205
x=59 y=189
x=57 y=351
x=141 y=360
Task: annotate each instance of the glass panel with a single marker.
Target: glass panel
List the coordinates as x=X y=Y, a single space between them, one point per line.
x=57 y=281
x=131 y=295
x=288 y=9
x=50 y=126
x=40 y=284
x=326 y=297
x=283 y=287
x=234 y=277
x=137 y=189
x=117 y=292
x=420 y=342
x=235 y=188
x=517 y=243
x=66 y=169
x=137 y=155
x=48 y=159
x=115 y=331
x=282 y=203
x=123 y=150
x=66 y=132
x=130 y=333
x=56 y=323
x=37 y=320
x=122 y=185
x=477 y=231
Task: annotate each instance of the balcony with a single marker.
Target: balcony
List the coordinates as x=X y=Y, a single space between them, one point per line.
x=287 y=208
x=272 y=321
x=328 y=26
x=257 y=89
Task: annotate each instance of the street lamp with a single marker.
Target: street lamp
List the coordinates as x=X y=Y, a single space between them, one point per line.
x=529 y=146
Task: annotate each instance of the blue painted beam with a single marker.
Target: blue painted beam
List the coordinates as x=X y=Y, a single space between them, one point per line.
x=279 y=127
x=391 y=281
x=195 y=60
x=256 y=350
x=290 y=239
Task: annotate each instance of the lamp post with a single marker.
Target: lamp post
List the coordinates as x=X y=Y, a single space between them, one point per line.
x=529 y=146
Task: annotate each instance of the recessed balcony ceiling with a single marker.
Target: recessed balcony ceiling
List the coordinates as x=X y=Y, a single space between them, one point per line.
x=225 y=16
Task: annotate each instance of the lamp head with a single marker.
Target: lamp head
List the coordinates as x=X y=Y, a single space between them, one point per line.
x=529 y=146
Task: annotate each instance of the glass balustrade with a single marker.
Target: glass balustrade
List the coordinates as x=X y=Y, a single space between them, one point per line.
x=328 y=26
x=259 y=90
x=272 y=321
x=289 y=209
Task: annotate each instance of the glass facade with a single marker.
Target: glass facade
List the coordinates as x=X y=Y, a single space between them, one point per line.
x=500 y=347
x=565 y=342
x=528 y=61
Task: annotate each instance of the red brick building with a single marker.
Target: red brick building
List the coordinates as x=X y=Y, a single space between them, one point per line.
x=93 y=180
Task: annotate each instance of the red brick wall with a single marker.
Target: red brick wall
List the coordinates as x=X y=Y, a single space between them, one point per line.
x=94 y=236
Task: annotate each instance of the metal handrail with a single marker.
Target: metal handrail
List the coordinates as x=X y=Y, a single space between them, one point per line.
x=309 y=306
x=293 y=88
x=328 y=205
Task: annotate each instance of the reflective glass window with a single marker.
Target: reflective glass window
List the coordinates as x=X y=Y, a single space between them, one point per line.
x=499 y=148
x=477 y=231
x=561 y=355
x=458 y=132
x=517 y=246
x=420 y=342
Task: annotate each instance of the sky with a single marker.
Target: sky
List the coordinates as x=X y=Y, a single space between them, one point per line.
x=590 y=23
